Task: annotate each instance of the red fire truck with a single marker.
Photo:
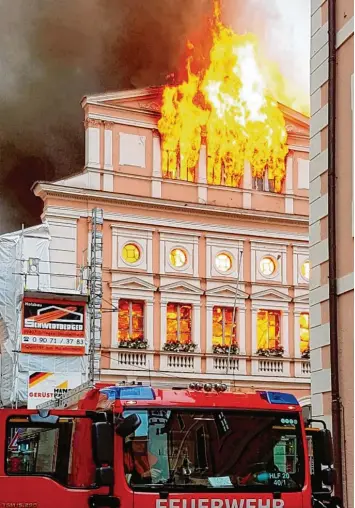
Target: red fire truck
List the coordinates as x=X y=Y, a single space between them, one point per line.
x=136 y=446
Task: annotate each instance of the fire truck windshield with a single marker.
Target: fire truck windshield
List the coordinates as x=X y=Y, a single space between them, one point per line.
x=215 y=450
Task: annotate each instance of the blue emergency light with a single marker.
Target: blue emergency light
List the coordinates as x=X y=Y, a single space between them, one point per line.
x=129 y=393
x=280 y=398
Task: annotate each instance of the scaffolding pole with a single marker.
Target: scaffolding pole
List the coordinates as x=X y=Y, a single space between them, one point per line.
x=95 y=294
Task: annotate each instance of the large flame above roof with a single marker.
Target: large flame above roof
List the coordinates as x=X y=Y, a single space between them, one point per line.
x=226 y=106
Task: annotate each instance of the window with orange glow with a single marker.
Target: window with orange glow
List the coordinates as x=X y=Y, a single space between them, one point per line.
x=268 y=329
x=304 y=332
x=222 y=326
x=130 y=321
x=305 y=268
x=179 y=318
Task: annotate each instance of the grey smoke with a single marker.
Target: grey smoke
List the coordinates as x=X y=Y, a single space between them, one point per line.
x=52 y=52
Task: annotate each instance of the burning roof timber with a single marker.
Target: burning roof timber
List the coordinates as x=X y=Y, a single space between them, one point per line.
x=222 y=100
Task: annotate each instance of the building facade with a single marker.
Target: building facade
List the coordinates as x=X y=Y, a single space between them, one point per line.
x=180 y=256
x=332 y=228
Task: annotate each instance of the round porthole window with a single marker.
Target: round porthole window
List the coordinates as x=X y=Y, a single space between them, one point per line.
x=131 y=253
x=223 y=262
x=178 y=258
x=268 y=266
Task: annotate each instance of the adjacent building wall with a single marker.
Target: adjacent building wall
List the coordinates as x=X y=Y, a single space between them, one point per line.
x=319 y=255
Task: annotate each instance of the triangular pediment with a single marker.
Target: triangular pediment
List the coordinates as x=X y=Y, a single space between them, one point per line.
x=271 y=294
x=145 y=99
x=226 y=291
x=297 y=124
x=133 y=283
x=180 y=287
x=302 y=298
x=150 y=99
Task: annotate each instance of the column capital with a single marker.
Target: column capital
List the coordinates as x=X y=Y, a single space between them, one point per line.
x=92 y=122
x=108 y=125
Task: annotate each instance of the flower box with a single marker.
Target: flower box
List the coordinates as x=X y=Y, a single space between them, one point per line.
x=224 y=350
x=306 y=354
x=133 y=344
x=177 y=347
x=278 y=351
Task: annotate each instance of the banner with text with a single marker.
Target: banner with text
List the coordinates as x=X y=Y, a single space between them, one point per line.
x=53 y=326
x=45 y=386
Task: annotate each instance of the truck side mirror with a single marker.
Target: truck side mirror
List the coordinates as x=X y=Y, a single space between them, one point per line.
x=128 y=425
x=328 y=477
x=102 y=443
x=326 y=448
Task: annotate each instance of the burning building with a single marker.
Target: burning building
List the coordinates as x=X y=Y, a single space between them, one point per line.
x=203 y=187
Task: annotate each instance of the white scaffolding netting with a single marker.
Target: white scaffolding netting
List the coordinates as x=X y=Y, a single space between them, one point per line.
x=16 y=249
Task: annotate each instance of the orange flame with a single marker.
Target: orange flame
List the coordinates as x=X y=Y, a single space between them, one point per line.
x=229 y=105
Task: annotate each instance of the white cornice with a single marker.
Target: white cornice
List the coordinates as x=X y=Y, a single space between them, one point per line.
x=123 y=121
x=123 y=95
x=153 y=221
x=41 y=188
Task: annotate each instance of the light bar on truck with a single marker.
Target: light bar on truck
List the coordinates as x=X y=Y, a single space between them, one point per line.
x=129 y=393
x=280 y=398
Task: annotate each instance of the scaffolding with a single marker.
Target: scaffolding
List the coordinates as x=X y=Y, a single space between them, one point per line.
x=94 y=285
x=95 y=294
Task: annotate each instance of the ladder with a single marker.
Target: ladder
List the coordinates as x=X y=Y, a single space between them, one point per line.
x=69 y=399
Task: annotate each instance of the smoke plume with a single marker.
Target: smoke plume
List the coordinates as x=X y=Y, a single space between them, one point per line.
x=52 y=52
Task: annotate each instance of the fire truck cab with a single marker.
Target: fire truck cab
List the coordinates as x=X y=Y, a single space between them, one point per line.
x=136 y=446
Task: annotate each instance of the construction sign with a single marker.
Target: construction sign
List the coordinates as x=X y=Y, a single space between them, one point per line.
x=53 y=326
x=45 y=386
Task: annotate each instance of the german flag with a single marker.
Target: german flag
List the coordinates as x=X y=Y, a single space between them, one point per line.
x=37 y=377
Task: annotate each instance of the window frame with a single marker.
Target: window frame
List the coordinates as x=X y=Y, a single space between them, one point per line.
x=272 y=312
x=234 y=339
x=273 y=274
x=304 y=278
x=178 y=319
x=267 y=184
x=302 y=313
x=140 y=250
x=22 y=424
x=130 y=319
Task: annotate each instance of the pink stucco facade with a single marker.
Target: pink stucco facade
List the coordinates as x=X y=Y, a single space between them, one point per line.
x=122 y=176
x=319 y=248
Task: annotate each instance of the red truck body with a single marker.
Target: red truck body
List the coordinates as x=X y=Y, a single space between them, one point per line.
x=62 y=471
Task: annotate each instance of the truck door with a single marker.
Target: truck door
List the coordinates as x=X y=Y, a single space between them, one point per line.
x=46 y=462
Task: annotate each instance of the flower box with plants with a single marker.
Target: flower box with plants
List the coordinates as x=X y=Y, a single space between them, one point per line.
x=306 y=353
x=178 y=347
x=271 y=351
x=133 y=344
x=223 y=349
